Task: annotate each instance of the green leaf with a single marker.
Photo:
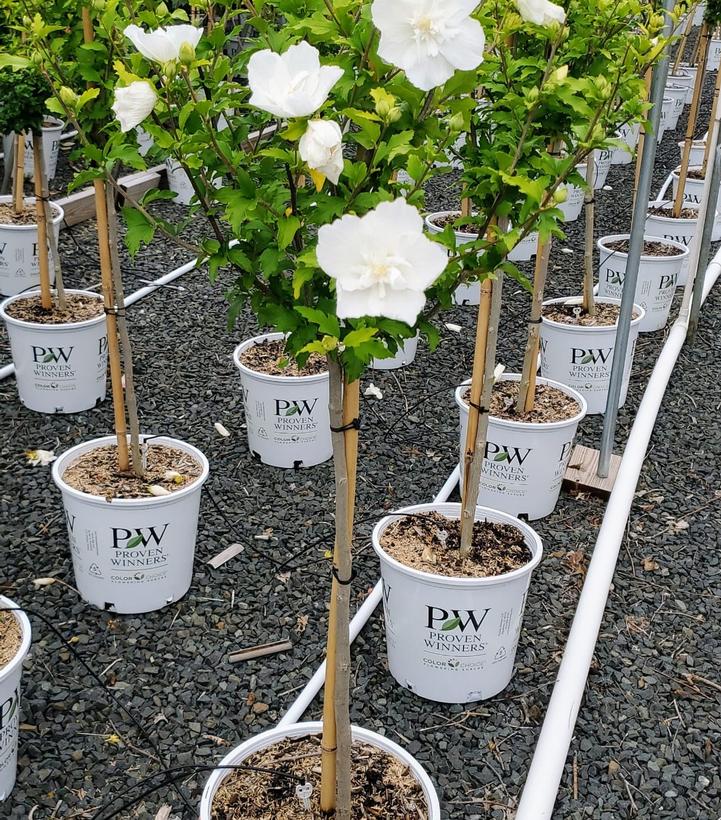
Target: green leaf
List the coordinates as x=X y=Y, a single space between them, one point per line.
x=287 y=229
x=587 y=359
x=293 y=411
x=501 y=457
x=327 y=323
x=358 y=337
x=451 y=624
x=135 y=541
x=49 y=357
x=139 y=232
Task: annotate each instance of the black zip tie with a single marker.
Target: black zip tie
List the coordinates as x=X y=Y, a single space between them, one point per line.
x=353 y=425
x=341 y=581
x=43 y=198
x=115 y=311
x=535 y=321
x=482 y=410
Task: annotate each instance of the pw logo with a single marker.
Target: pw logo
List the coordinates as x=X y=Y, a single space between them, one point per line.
x=448 y=620
x=140 y=536
x=294 y=408
x=590 y=356
x=46 y=355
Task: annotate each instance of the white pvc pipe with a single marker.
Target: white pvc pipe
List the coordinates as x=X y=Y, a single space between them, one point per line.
x=544 y=776
x=9 y=369
x=360 y=619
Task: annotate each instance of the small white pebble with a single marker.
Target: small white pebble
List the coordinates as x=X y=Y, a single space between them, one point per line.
x=453 y=328
x=607 y=188
x=221 y=430
x=566 y=250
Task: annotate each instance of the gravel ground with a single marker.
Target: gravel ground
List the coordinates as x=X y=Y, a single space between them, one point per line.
x=657 y=756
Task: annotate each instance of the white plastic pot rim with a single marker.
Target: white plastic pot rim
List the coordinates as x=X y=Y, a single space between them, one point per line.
x=464 y=235
x=577 y=300
x=71 y=455
x=453 y=510
x=296 y=730
x=672 y=219
x=267 y=377
x=32 y=226
x=11 y=667
x=45 y=328
x=619 y=237
x=531 y=425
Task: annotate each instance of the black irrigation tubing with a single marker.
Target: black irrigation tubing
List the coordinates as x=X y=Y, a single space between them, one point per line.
x=173 y=781
x=138 y=724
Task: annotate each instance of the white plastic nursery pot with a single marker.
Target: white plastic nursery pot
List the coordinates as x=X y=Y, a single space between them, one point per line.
x=19 y=263
x=667 y=109
x=693 y=189
x=287 y=417
x=698 y=151
x=714 y=55
x=525 y=250
x=406 y=355
x=602 y=158
x=524 y=463
x=678 y=230
x=131 y=555
x=179 y=182
x=474 y=660
x=678 y=94
x=465 y=294
x=10 y=679
x=656 y=284
x=692 y=70
x=629 y=134
x=58 y=368
x=581 y=357
x=52 y=129
x=699 y=14
x=573 y=205
x=297 y=730
x=682 y=77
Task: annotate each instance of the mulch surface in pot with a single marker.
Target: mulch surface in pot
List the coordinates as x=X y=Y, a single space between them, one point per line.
x=686 y=213
x=430 y=542
x=97 y=473
x=449 y=219
x=79 y=308
x=10 y=638
x=649 y=248
x=606 y=315
x=550 y=404
x=695 y=173
x=383 y=787
x=270 y=357
x=9 y=217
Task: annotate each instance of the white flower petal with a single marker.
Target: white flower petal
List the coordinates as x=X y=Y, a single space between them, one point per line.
x=156 y=489
x=453 y=328
x=134 y=103
x=221 y=429
x=321 y=147
x=40 y=458
x=373 y=392
x=540 y=12
x=163 y=44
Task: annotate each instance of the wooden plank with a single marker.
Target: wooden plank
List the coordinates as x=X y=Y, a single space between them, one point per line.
x=80 y=206
x=582 y=472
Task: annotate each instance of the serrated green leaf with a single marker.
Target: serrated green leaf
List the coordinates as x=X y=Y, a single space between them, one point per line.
x=358 y=337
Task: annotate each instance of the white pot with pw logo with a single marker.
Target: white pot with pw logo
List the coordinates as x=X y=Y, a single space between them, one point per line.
x=657 y=278
x=698 y=151
x=271 y=737
x=10 y=679
x=19 y=263
x=714 y=55
x=179 y=182
x=131 y=555
x=52 y=130
x=678 y=230
x=629 y=134
x=469 y=294
x=678 y=94
x=581 y=357
x=453 y=640
x=287 y=417
x=58 y=368
x=524 y=463
x=404 y=356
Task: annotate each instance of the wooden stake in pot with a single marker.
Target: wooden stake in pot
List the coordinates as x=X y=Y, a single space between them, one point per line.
x=692 y=120
x=46 y=296
x=19 y=176
x=589 y=303
x=337 y=739
x=484 y=362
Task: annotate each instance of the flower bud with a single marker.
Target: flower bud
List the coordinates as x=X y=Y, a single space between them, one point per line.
x=170 y=69
x=559 y=75
x=561 y=195
x=68 y=97
x=99 y=5
x=394 y=114
x=456 y=123
x=383 y=108
x=186 y=53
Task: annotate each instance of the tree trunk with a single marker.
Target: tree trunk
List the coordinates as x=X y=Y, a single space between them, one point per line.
x=19 y=177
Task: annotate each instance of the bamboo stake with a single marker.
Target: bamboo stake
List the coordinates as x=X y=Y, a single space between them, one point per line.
x=46 y=296
x=692 y=120
x=127 y=351
x=527 y=386
x=682 y=44
x=712 y=118
x=49 y=227
x=344 y=409
x=476 y=448
x=466 y=205
x=19 y=179
x=106 y=278
x=589 y=303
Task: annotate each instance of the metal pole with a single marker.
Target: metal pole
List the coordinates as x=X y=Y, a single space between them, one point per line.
x=705 y=249
x=638 y=225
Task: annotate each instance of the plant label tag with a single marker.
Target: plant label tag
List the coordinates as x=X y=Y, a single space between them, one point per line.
x=303 y=793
